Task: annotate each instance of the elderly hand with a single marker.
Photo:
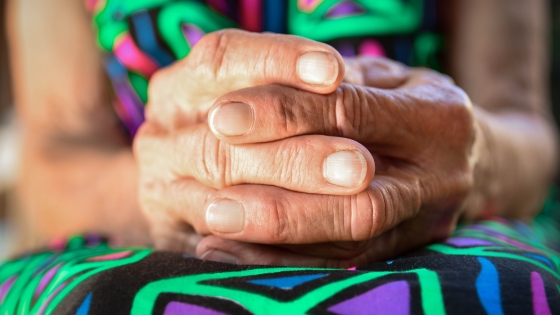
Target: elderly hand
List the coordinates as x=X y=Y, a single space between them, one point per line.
x=305 y=158
x=421 y=133
x=182 y=164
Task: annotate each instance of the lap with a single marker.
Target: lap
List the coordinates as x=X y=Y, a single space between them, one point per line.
x=489 y=267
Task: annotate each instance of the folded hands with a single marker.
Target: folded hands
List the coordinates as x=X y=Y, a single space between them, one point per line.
x=272 y=149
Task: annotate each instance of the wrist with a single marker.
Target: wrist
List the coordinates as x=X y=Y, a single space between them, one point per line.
x=480 y=202
x=514 y=163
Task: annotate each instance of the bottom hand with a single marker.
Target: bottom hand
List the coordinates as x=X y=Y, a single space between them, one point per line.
x=347 y=254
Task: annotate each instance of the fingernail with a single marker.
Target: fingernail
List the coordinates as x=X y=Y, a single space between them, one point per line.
x=317 y=68
x=345 y=168
x=226 y=216
x=219 y=256
x=232 y=119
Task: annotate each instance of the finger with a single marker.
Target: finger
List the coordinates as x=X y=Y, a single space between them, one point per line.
x=246 y=59
x=272 y=215
x=376 y=116
x=274 y=112
x=237 y=114
x=172 y=204
x=176 y=203
x=313 y=164
x=213 y=248
x=229 y=60
x=375 y=72
x=175 y=211
x=407 y=236
x=424 y=229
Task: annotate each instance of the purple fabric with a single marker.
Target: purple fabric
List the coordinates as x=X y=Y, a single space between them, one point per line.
x=192 y=34
x=5 y=287
x=46 y=279
x=178 y=308
x=467 y=242
x=344 y=9
x=346 y=50
x=132 y=104
x=389 y=299
x=503 y=238
x=93 y=239
x=540 y=303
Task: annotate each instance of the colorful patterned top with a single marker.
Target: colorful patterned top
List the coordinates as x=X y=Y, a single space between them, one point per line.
x=145 y=35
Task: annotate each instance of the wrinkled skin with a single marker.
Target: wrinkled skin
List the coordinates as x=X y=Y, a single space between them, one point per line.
x=78 y=172
x=414 y=128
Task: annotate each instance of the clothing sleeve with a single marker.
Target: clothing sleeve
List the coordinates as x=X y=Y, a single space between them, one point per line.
x=141 y=36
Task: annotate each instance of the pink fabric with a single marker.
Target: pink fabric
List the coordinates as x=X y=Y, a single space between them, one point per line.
x=132 y=57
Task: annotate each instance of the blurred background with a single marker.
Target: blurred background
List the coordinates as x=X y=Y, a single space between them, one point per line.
x=9 y=131
x=8 y=146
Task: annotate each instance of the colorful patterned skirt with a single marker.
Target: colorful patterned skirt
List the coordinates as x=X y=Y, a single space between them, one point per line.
x=489 y=267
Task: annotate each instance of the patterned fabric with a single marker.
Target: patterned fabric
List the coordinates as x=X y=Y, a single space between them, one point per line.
x=142 y=36
x=490 y=267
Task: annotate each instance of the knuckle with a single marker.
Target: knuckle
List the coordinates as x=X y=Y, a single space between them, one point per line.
x=158 y=83
x=460 y=112
x=349 y=117
x=211 y=161
x=210 y=52
x=278 y=222
x=150 y=195
x=382 y=208
x=352 y=218
x=145 y=145
x=164 y=96
x=452 y=109
x=370 y=216
x=286 y=115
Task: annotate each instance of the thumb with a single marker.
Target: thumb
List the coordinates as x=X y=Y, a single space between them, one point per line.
x=229 y=60
x=238 y=59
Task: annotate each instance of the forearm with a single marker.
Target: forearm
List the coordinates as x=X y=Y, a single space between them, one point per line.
x=515 y=166
x=67 y=189
x=499 y=56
